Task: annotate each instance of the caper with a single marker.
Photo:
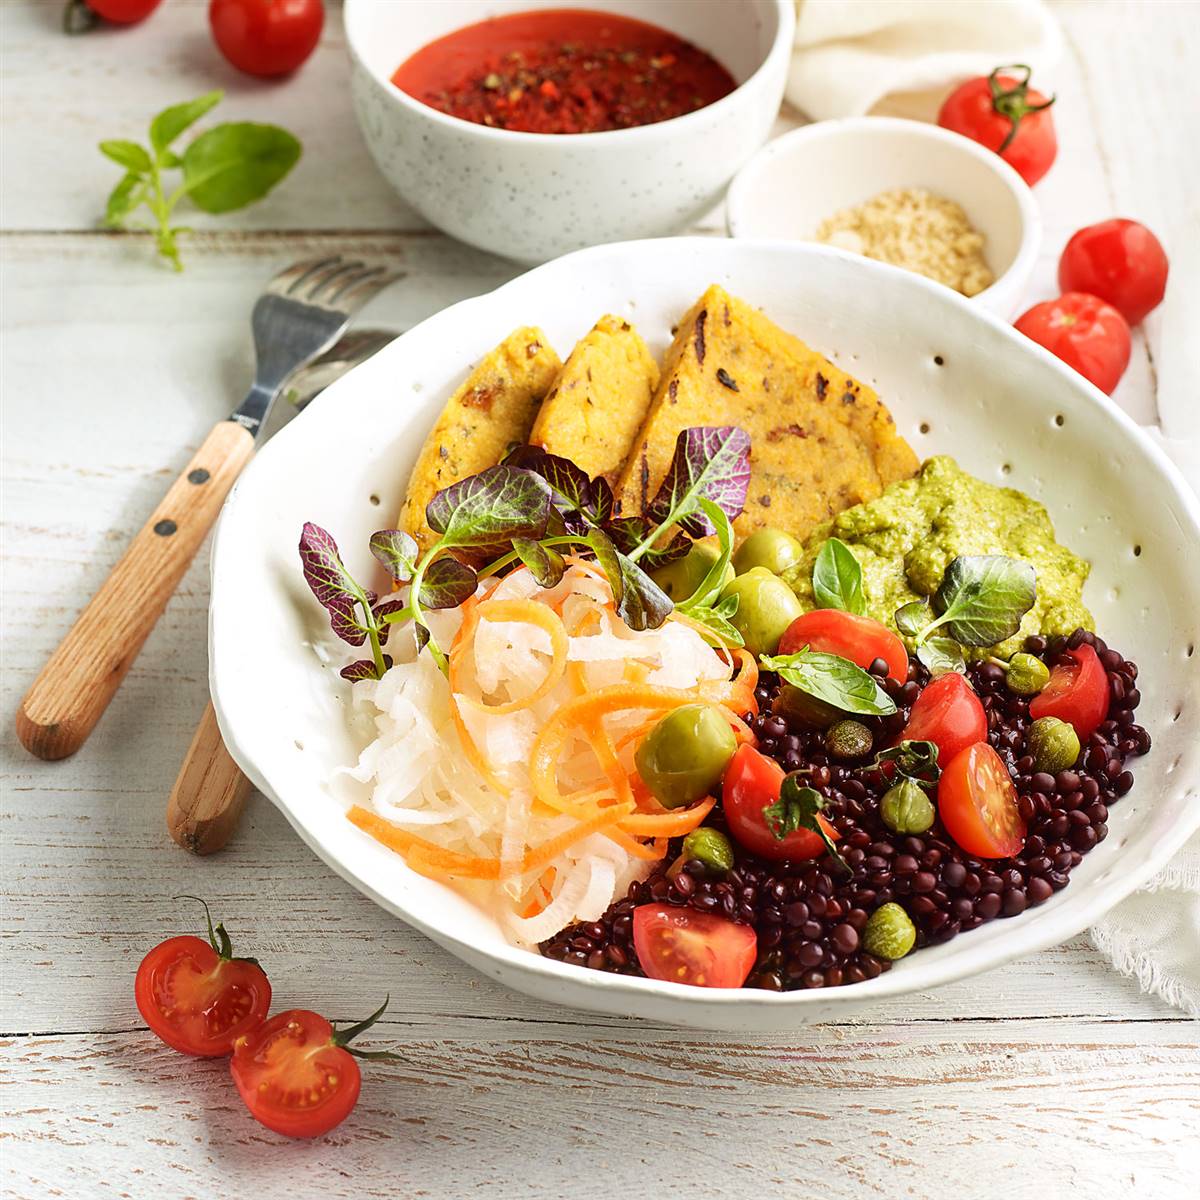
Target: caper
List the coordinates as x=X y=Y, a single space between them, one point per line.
x=889 y=933
x=771 y=549
x=848 y=739
x=799 y=708
x=1027 y=675
x=683 y=758
x=682 y=577
x=905 y=808
x=766 y=607
x=1054 y=745
x=711 y=847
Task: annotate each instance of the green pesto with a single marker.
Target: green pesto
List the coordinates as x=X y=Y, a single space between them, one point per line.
x=905 y=538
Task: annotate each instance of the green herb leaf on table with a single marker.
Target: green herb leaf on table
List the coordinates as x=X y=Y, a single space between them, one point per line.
x=171 y=122
x=236 y=164
x=916 y=760
x=837 y=578
x=941 y=656
x=640 y=602
x=129 y=155
x=397 y=551
x=709 y=461
x=835 y=680
x=799 y=807
x=123 y=199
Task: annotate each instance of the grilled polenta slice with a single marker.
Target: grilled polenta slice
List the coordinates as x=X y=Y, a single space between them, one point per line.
x=599 y=400
x=820 y=440
x=491 y=411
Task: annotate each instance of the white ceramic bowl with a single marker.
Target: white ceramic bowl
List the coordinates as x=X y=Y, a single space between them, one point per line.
x=532 y=196
x=790 y=186
x=958 y=380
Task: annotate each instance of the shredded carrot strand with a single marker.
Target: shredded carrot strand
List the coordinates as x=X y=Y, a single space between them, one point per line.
x=531 y=613
x=671 y=824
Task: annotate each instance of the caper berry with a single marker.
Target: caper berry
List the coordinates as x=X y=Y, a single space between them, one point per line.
x=771 y=549
x=711 y=847
x=683 y=758
x=1027 y=675
x=682 y=577
x=848 y=739
x=889 y=933
x=1054 y=745
x=799 y=708
x=766 y=607
x=905 y=808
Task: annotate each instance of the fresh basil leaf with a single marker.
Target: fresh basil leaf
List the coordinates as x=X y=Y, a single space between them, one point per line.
x=235 y=164
x=129 y=155
x=171 y=122
x=834 y=680
x=628 y=533
x=710 y=461
x=799 y=807
x=397 y=551
x=983 y=598
x=941 y=656
x=716 y=629
x=447 y=583
x=709 y=588
x=123 y=199
x=545 y=563
x=490 y=508
x=916 y=760
x=364 y=669
x=837 y=578
x=332 y=584
x=640 y=602
x=912 y=618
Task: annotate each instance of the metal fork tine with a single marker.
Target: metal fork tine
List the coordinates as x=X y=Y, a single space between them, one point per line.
x=290 y=277
x=332 y=292
x=354 y=297
x=317 y=283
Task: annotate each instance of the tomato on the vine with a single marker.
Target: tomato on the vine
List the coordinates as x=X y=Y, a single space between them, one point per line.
x=860 y=639
x=1077 y=692
x=977 y=801
x=1085 y=333
x=266 y=37
x=681 y=945
x=948 y=714
x=1121 y=262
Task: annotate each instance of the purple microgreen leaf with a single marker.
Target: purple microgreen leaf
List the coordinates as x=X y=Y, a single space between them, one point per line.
x=397 y=551
x=641 y=603
x=711 y=461
x=381 y=612
x=364 y=669
x=446 y=584
x=485 y=509
x=421 y=636
x=628 y=533
x=544 y=562
x=333 y=585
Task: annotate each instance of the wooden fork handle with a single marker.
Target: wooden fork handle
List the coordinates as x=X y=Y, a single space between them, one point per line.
x=73 y=690
x=206 y=801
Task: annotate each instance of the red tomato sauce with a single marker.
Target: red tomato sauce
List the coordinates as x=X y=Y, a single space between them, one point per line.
x=563 y=70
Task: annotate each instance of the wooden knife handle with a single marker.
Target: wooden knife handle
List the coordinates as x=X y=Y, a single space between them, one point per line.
x=73 y=690
x=209 y=792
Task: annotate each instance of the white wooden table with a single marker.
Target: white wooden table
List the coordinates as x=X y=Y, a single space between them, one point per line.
x=1047 y=1078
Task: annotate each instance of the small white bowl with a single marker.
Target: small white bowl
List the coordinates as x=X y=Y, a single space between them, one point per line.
x=797 y=181
x=533 y=196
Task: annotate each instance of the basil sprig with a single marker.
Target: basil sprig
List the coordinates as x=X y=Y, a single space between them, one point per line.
x=799 y=807
x=837 y=578
x=835 y=680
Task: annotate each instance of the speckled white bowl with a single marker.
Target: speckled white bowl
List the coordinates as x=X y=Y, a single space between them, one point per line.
x=531 y=196
x=958 y=380
x=790 y=186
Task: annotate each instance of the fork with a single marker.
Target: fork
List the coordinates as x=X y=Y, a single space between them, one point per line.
x=301 y=314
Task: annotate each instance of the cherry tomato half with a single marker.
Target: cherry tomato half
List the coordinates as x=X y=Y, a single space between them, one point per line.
x=977 y=802
x=681 y=945
x=197 y=997
x=949 y=714
x=266 y=37
x=1003 y=111
x=860 y=639
x=1077 y=692
x=1121 y=262
x=752 y=783
x=123 y=12
x=1085 y=333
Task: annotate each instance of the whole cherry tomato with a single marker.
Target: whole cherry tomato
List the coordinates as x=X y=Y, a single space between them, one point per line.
x=1003 y=113
x=859 y=639
x=197 y=997
x=266 y=37
x=948 y=714
x=681 y=945
x=123 y=12
x=1085 y=333
x=1120 y=261
x=1077 y=692
x=977 y=802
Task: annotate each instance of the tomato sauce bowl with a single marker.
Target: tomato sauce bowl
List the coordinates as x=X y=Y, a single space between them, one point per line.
x=534 y=196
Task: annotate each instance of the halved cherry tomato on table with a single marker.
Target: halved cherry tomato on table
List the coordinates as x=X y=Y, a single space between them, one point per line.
x=266 y=37
x=752 y=783
x=949 y=714
x=1121 y=262
x=1003 y=113
x=681 y=945
x=1077 y=692
x=977 y=801
x=860 y=639
x=296 y=1075
x=1085 y=333
x=197 y=997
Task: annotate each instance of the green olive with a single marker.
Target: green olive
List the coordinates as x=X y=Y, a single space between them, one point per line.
x=1026 y=675
x=1054 y=745
x=766 y=607
x=682 y=759
x=682 y=577
x=905 y=808
x=848 y=739
x=889 y=933
x=771 y=549
x=799 y=708
x=711 y=847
